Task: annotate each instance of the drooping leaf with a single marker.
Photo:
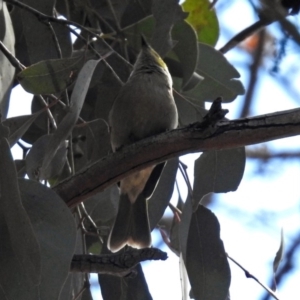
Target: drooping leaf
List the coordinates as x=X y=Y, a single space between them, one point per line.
x=7 y=71
x=67 y=124
x=163 y=193
x=54 y=226
x=186 y=42
x=50 y=76
x=277 y=259
x=206 y=262
x=218 y=171
x=75 y=281
x=166 y=14
x=220 y=77
x=203 y=19
x=184 y=225
x=18 y=126
x=279 y=253
x=20 y=255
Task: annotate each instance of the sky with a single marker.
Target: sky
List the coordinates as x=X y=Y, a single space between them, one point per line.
x=251 y=218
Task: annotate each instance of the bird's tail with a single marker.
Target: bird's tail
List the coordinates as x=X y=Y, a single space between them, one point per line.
x=131 y=226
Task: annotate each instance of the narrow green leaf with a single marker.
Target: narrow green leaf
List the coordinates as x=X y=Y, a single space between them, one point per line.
x=50 y=76
x=277 y=259
x=163 y=193
x=279 y=253
x=203 y=19
x=206 y=262
x=77 y=99
x=19 y=125
x=186 y=42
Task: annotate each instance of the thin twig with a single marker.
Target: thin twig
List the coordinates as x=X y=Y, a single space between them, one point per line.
x=45 y=18
x=79 y=294
x=51 y=118
x=114 y=14
x=254 y=68
x=182 y=168
x=175 y=209
x=249 y=275
x=88 y=216
x=241 y=36
x=55 y=39
x=212 y=4
x=12 y=59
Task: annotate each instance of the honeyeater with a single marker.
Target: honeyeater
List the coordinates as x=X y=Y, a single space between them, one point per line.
x=144 y=107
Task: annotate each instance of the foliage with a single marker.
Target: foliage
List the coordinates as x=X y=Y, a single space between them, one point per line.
x=74 y=82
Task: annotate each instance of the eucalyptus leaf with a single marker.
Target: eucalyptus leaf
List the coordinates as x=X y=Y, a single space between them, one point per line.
x=19 y=248
x=218 y=171
x=37 y=40
x=203 y=19
x=103 y=206
x=188 y=112
x=206 y=262
x=166 y=14
x=19 y=125
x=220 y=77
x=77 y=99
x=277 y=259
x=163 y=193
x=54 y=226
x=50 y=76
x=186 y=42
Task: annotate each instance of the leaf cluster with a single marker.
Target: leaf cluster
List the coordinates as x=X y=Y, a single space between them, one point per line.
x=76 y=56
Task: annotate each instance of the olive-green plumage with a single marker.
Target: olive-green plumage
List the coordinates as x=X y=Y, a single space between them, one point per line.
x=144 y=107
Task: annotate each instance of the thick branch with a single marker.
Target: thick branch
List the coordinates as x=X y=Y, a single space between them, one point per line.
x=115 y=264
x=204 y=137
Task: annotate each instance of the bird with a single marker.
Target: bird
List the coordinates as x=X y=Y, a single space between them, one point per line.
x=144 y=107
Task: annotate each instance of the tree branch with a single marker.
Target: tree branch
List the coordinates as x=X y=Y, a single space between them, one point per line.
x=115 y=264
x=203 y=137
